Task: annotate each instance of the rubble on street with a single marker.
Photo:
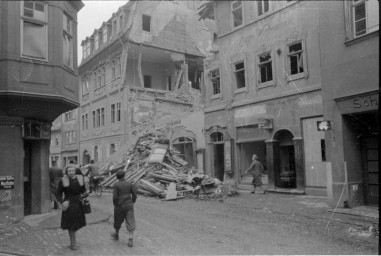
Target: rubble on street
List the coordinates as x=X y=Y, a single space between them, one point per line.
x=152 y=163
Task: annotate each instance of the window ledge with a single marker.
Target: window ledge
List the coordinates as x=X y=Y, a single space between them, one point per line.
x=291 y=78
x=215 y=96
x=240 y=90
x=266 y=84
x=359 y=39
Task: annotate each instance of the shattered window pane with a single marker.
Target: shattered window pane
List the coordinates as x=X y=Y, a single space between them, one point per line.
x=265 y=67
x=240 y=75
x=296 y=58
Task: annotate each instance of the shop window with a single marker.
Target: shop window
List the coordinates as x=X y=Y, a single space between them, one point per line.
x=239 y=73
x=263 y=6
x=147 y=81
x=215 y=78
x=265 y=68
x=365 y=16
x=34 y=30
x=146 y=23
x=217 y=137
x=237 y=14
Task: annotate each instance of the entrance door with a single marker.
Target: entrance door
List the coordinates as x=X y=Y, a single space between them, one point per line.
x=27 y=178
x=287 y=163
x=370 y=170
x=219 y=167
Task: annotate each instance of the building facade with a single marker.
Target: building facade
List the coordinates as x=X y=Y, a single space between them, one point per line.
x=282 y=69
x=142 y=70
x=38 y=82
x=64 y=141
x=264 y=94
x=350 y=81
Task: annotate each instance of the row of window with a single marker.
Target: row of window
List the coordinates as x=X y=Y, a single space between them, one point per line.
x=296 y=67
x=34 y=43
x=100 y=76
x=104 y=34
x=70 y=137
x=99 y=116
x=365 y=14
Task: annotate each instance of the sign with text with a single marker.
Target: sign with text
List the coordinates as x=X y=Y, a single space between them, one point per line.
x=7 y=182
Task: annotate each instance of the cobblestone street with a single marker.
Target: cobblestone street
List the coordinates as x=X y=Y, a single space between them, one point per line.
x=247 y=224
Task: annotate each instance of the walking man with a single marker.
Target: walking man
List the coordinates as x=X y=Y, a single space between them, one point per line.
x=256 y=168
x=92 y=172
x=124 y=197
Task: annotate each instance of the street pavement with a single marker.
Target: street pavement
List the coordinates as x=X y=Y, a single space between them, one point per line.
x=41 y=234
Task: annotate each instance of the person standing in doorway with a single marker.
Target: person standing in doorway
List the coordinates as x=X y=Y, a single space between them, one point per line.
x=92 y=172
x=124 y=197
x=256 y=168
x=72 y=186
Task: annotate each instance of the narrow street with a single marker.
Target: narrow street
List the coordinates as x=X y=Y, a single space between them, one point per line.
x=247 y=224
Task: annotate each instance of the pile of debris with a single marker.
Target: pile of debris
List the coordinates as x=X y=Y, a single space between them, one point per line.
x=154 y=166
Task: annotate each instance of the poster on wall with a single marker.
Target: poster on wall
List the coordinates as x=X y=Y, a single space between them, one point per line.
x=5 y=199
x=7 y=182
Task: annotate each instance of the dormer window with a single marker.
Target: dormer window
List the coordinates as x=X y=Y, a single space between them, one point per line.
x=146 y=23
x=96 y=41
x=104 y=34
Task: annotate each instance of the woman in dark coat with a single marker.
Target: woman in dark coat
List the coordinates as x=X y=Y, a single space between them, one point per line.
x=72 y=186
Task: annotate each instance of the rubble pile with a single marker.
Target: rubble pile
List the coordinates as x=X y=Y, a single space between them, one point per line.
x=153 y=165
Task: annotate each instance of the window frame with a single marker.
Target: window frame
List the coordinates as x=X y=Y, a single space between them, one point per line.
x=213 y=94
x=37 y=22
x=258 y=69
x=149 y=23
x=241 y=89
x=263 y=11
x=69 y=33
x=232 y=10
x=303 y=74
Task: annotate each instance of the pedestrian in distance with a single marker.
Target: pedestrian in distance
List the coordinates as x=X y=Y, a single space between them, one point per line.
x=256 y=168
x=124 y=197
x=71 y=191
x=92 y=172
x=55 y=174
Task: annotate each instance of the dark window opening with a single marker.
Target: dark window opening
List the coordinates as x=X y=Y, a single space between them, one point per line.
x=216 y=81
x=217 y=137
x=147 y=82
x=323 y=155
x=296 y=58
x=265 y=68
x=240 y=75
x=146 y=23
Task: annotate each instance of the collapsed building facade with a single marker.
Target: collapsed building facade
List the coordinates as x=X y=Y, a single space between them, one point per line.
x=275 y=64
x=142 y=70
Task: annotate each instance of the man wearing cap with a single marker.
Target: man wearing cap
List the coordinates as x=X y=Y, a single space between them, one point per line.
x=124 y=197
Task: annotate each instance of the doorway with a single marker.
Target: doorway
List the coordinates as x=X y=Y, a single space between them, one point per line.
x=287 y=171
x=219 y=169
x=28 y=149
x=246 y=151
x=370 y=169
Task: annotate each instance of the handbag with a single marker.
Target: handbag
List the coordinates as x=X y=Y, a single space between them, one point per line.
x=65 y=205
x=86 y=206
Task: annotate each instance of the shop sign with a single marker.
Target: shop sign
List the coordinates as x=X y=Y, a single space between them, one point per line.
x=323 y=125
x=7 y=182
x=370 y=101
x=5 y=199
x=265 y=123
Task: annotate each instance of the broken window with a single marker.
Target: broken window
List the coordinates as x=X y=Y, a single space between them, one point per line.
x=237 y=13
x=239 y=71
x=295 y=55
x=68 y=49
x=146 y=23
x=215 y=77
x=147 y=81
x=185 y=147
x=265 y=67
x=263 y=6
x=34 y=30
x=365 y=16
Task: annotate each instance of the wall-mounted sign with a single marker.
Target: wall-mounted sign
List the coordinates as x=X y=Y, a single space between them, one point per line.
x=323 y=125
x=5 y=200
x=265 y=123
x=7 y=182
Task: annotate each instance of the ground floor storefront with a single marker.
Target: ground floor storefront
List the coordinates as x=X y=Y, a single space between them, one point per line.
x=281 y=132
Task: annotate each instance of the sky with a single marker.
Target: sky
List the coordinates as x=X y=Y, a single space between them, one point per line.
x=91 y=17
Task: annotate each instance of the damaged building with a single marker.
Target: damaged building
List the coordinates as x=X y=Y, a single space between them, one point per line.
x=143 y=70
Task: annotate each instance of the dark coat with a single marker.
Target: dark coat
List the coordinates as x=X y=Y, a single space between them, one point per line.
x=73 y=218
x=124 y=193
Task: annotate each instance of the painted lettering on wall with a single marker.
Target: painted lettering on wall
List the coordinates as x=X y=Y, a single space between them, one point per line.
x=370 y=101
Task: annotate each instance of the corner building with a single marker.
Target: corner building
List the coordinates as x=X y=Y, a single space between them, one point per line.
x=38 y=82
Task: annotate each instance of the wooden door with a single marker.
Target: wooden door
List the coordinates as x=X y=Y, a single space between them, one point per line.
x=370 y=170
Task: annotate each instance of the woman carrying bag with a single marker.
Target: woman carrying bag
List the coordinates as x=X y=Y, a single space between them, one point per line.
x=71 y=191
